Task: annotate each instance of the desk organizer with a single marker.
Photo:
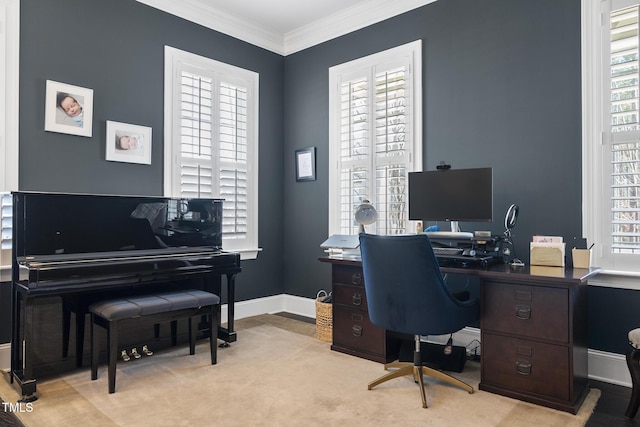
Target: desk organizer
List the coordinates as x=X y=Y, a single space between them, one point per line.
x=549 y=254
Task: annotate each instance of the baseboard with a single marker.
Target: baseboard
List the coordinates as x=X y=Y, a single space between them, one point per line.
x=603 y=366
x=274 y=304
x=5 y=356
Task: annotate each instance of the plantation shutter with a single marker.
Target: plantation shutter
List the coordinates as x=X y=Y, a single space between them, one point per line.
x=6 y=220
x=354 y=150
x=196 y=142
x=374 y=154
x=233 y=159
x=206 y=112
x=624 y=146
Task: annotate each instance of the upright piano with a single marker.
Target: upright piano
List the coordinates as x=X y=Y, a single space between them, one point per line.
x=83 y=247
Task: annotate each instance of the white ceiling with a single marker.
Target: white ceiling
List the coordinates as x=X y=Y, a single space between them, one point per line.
x=285 y=26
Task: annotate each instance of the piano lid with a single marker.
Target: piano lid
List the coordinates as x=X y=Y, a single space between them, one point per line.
x=58 y=223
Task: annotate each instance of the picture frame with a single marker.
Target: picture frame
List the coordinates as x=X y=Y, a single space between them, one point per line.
x=68 y=109
x=306 y=164
x=128 y=143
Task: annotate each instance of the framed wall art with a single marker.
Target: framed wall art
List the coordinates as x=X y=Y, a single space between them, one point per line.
x=128 y=143
x=68 y=109
x=306 y=164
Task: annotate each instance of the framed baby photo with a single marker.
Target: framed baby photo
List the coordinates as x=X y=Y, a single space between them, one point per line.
x=68 y=109
x=128 y=143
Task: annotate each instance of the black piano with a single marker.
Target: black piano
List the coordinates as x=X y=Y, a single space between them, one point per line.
x=77 y=248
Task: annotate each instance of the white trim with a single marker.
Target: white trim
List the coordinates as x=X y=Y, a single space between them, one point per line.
x=9 y=84
x=346 y=21
x=609 y=368
x=207 y=16
x=343 y=22
x=591 y=51
x=618 y=281
x=5 y=356
x=274 y=304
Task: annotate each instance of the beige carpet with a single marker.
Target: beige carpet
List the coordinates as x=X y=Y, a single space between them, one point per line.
x=272 y=377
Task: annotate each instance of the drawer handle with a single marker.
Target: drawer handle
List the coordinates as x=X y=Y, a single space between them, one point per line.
x=356 y=330
x=356 y=278
x=356 y=299
x=523 y=367
x=523 y=312
x=356 y=317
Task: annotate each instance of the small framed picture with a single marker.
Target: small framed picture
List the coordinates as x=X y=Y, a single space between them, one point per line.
x=306 y=164
x=68 y=109
x=128 y=143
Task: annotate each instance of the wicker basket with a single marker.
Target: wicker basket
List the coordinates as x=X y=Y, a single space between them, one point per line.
x=324 y=318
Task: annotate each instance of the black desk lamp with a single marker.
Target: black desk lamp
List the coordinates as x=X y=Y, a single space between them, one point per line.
x=509 y=222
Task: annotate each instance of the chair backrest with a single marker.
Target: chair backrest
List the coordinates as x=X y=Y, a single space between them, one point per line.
x=405 y=289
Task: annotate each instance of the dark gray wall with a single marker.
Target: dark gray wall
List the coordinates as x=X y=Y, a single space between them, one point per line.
x=116 y=48
x=501 y=88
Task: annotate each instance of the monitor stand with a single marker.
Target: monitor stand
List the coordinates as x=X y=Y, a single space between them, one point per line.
x=455 y=233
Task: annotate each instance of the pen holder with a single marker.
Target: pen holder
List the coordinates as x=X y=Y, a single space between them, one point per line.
x=581 y=258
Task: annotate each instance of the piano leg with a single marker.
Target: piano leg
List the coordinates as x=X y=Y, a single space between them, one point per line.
x=15 y=331
x=228 y=334
x=112 y=355
x=79 y=307
x=21 y=347
x=66 y=326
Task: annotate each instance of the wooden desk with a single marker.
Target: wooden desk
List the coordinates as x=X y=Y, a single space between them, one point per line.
x=533 y=329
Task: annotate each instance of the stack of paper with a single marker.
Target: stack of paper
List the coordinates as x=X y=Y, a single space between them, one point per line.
x=547 y=250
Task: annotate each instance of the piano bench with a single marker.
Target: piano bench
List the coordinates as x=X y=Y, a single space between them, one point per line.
x=151 y=308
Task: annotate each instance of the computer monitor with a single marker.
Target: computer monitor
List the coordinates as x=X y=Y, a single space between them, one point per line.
x=451 y=195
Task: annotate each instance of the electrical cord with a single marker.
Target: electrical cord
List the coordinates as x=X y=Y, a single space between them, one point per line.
x=473 y=353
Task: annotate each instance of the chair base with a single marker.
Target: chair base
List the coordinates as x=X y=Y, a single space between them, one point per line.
x=406 y=368
x=633 y=362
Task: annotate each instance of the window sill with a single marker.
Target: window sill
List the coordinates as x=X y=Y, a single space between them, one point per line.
x=245 y=254
x=616 y=279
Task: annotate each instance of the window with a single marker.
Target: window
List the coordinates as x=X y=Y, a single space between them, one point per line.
x=375 y=138
x=612 y=134
x=9 y=48
x=211 y=141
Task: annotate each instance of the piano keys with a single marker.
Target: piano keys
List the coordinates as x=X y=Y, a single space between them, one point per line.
x=75 y=246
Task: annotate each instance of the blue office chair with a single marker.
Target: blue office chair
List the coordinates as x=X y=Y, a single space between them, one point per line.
x=406 y=293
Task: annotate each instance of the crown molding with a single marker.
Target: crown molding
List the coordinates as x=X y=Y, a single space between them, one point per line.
x=340 y=23
x=196 y=11
x=346 y=21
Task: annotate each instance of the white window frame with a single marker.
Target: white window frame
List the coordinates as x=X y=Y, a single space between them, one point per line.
x=344 y=72
x=9 y=124
x=175 y=59
x=619 y=269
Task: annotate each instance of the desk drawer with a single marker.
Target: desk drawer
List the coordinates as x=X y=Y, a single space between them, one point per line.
x=352 y=329
x=348 y=275
x=526 y=366
x=530 y=311
x=350 y=296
